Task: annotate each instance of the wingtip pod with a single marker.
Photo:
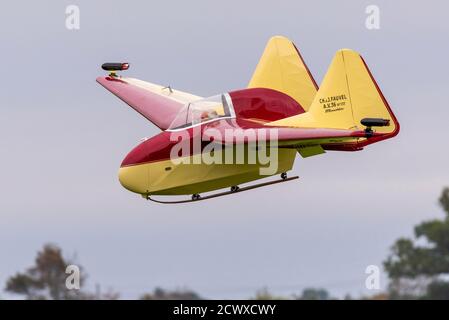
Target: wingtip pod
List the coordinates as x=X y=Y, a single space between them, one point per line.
x=115 y=66
x=347 y=95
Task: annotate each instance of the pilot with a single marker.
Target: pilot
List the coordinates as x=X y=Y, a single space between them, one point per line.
x=206 y=115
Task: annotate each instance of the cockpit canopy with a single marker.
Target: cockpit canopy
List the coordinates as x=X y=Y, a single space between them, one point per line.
x=203 y=111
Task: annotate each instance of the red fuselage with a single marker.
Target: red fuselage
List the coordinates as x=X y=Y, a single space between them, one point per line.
x=253 y=107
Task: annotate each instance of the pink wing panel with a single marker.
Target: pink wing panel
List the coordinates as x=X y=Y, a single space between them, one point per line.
x=160 y=110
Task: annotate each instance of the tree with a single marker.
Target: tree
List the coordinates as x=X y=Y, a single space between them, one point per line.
x=161 y=294
x=47 y=278
x=314 y=294
x=265 y=294
x=416 y=266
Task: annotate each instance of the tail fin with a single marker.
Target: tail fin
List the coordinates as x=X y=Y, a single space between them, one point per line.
x=347 y=95
x=282 y=68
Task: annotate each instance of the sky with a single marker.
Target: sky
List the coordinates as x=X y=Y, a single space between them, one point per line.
x=62 y=139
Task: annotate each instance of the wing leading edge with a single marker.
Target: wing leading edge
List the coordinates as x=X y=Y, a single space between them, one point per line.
x=158 y=104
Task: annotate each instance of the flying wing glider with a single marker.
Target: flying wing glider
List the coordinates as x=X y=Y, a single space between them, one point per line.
x=240 y=136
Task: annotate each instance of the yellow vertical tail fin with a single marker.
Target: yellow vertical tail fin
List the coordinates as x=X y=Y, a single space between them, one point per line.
x=282 y=68
x=347 y=95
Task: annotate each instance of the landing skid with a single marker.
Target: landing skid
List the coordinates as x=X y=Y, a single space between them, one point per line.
x=225 y=193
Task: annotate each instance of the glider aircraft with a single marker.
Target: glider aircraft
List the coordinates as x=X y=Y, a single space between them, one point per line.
x=282 y=111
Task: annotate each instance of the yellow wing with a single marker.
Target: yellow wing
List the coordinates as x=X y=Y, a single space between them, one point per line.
x=282 y=68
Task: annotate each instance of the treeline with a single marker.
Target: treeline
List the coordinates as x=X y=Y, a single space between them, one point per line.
x=417 y=268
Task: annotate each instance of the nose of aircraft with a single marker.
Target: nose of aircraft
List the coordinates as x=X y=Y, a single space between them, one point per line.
x=134 y=170
x=134 y=178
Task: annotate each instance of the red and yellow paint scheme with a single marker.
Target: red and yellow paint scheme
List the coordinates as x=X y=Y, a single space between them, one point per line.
x=347 y=113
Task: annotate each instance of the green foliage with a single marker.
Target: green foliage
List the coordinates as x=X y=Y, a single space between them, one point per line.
x=46 y=279
x=437 y=290
x=444 y=200
x=415 y=265
x=314 y=294
x=161 y=294
x=265 y=294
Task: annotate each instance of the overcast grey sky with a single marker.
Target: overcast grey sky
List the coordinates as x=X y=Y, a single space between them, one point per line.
x=63 y=137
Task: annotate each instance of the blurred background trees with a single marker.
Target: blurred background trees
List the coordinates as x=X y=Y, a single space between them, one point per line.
x=418 y=267
x=180 y=294
x=307 y=294
x=315 y=294
x=46 y=279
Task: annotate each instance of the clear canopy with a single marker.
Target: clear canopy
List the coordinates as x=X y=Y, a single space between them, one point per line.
x=201 y=111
